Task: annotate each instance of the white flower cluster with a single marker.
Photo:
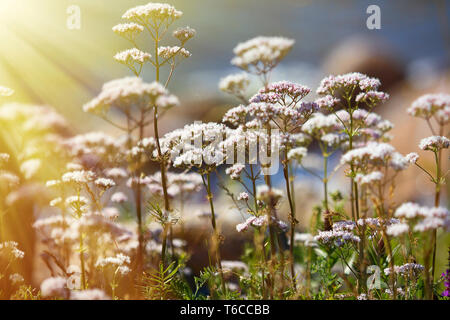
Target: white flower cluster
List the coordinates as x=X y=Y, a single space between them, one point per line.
x=153 y=13
x=376 y=154
x=235 y=171
x=425 y=218
x=184 y=34
x=130 y=92
x=235 y=84
x=131 y=56
x=349 y=81
x=128 y=30
x=263 y=53
x=170 y=52
x=55 y=287
x=9 y=250
x=336 y=237
x=397 y=229
x=370 y=178
x=197 y=144
x=432 y=105
x=118 y=262
x=434 y=143
x=259 y=222
x=297 y=154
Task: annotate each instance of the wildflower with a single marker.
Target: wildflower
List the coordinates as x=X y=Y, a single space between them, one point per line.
x=369 y=179
x=412 y=157
x=78 y=177
x=235 y=171
x=130 y=56
x=6 y=92
x=327 y=102
x=319 y=124
x=278 y=92
x=16 y=278
x=130 y=92
x=171 y=52
x=347 y=82
x=55 y=287
x=408 y=210
x=184 y=34
x=372 y=96
x=153 y=13
x=397 y=229
x=235 y=84
x=264 y=52
x=406 y=269
x=91 y=294
x=434 y=143
x=77 y=201
x=119 y=197
x=362 y=296
x=430 y=105
x=104 y=183
x=119 y=260
x=433 y=223
x=10 y=250
x=297 y=154
x=243 y=196
x=446 y=277
x=128 y=30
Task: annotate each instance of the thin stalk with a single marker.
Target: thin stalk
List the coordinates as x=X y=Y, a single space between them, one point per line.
x=292 y=220
x=216 y=233
x=259 y=234
x=161 y=160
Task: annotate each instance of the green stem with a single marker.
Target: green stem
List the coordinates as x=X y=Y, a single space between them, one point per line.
x=216 y=233
x=292 y=220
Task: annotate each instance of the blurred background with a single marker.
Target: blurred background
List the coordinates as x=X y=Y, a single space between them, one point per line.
x=48 y=64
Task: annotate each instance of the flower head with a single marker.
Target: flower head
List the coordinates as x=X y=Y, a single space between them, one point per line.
x=153 y=13
x=434 y=143
x=430 y=105
x=262 y=53
x=128 y=30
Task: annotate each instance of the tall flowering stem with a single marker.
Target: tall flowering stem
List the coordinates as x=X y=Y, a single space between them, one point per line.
x=216 y=239
x=433 y=108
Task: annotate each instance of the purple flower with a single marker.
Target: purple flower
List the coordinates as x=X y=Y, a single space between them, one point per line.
x=446 y=277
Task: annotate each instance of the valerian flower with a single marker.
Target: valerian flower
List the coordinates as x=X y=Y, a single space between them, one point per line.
x=261 y=54
x=434 y=143
x=128 y=30
x=235 y=84
x=430 y=105
x=130 y=92
x=172 y=52
x=131 y=56
x=184 y=34
x=153 y=13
